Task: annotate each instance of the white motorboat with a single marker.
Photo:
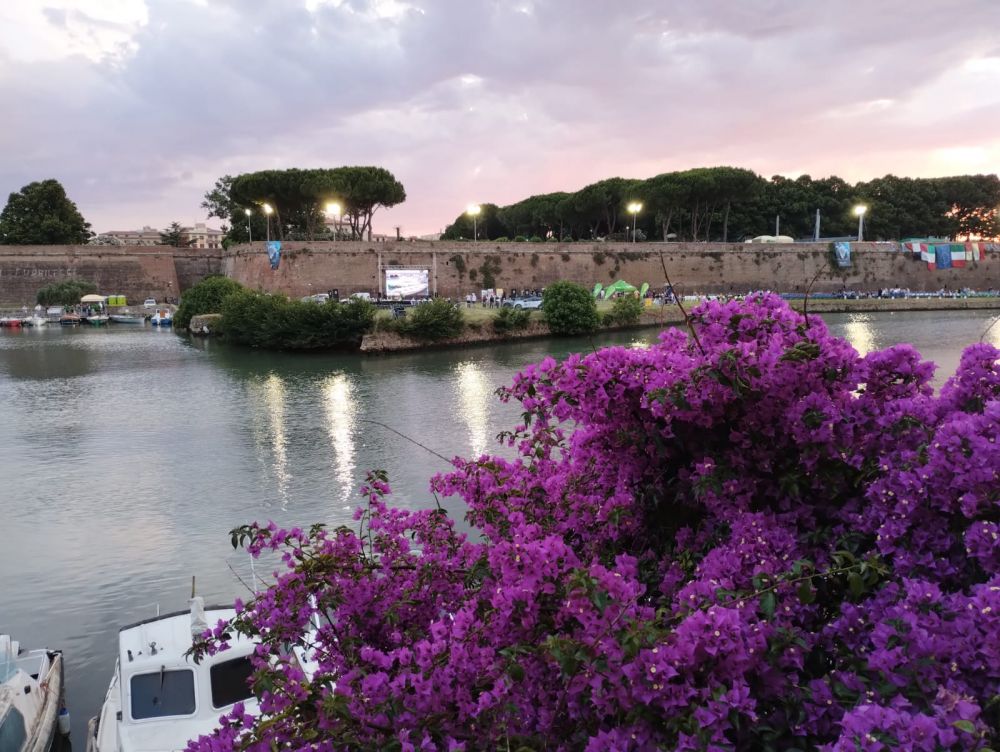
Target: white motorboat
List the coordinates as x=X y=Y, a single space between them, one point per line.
x=32 y=713
x=159 y=698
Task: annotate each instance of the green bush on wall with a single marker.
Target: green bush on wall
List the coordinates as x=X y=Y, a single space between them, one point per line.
x=205 y=297
x=274 y=322
x=436 y=320
x=569 y=309
x=624 y=311
x=510 y=320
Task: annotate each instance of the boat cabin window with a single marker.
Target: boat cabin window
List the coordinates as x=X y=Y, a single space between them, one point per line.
x=162 y=693
x=231 y=681
x=12 y=733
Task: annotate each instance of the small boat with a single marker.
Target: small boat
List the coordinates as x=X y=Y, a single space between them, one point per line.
x=70 y=319
x=13 y=323
x=36 y=321
x=162 y=318
x=122 y=318
x=97 y=320
x=31 y=698
x=159 y=698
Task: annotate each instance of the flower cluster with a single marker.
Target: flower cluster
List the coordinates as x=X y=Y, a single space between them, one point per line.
x=749 y=539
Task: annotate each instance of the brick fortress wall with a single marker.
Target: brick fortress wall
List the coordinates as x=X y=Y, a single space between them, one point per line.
x=455 y=269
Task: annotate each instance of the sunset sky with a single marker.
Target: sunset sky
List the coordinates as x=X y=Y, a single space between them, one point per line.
x=137 y=106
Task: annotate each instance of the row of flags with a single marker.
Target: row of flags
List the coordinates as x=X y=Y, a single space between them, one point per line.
x=946 y=255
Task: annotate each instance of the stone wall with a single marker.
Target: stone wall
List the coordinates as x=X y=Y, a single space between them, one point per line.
x=458 y=268
x=455 y=269
x=136 y=272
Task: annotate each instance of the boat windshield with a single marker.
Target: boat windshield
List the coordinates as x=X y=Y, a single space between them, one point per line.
x=162 y=693
x=12 y=730
x=231 y=681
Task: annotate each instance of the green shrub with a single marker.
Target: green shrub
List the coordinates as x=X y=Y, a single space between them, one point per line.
x=68 y=292
x=552 y=239
x=535 y=239
x=569 y=309
x=624 y=310
x=274 y=322
x=204 y=297
x=436 y=320
x=502 y=239
x=567 y=239
x=520 y=239
x=510 y=320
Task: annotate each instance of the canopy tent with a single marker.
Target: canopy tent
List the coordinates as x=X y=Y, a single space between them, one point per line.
x=597 y=289
x=619 y=286
x=93 y=299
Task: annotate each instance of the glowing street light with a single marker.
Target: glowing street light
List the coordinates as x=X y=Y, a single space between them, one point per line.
x=860 y=210
x=268 y=211
x=634 y=208
x=473 y=210
x=249 y=231
x=333 y=209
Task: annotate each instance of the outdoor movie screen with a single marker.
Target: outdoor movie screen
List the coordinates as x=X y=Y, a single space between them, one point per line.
x=406 y=283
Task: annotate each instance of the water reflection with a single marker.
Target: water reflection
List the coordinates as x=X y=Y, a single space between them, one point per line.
x=341 y=406
x=475 y=393
x=268 y=400
x=858 y=331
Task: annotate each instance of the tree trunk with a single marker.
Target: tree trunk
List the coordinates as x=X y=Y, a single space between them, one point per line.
x=725 y=223
x=694 y=223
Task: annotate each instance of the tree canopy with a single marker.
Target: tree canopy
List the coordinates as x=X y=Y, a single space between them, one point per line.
x=298 y=198
x=730 y=203
x=42 y=214
x=174 y=236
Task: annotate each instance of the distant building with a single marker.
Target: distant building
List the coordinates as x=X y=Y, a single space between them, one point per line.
x=201 y=236
x=145 y=236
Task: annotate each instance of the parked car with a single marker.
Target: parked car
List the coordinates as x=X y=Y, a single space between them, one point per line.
x=528 y=302
x=149 y=303
x=362 y=296
x=320 y=298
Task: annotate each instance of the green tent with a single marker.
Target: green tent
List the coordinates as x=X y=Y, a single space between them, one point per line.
x=597 y=289
x=617 y=287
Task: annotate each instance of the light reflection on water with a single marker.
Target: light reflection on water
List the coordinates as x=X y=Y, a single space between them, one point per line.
x=474 y=394
x=341 y=415
x=129 y=455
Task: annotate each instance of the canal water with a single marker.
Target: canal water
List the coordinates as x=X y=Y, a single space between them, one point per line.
x=128 y=455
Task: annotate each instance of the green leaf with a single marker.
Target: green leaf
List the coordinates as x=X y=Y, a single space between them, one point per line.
x=967 y=726
x=856 y=584
x=806 y=593
x=767 y=603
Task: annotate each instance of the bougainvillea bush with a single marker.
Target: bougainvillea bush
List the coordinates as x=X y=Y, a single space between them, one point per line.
x=745 y=537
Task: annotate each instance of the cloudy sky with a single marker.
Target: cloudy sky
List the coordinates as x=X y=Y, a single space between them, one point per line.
x=137 y=106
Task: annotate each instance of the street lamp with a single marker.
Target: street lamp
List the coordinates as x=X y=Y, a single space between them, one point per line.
x=860 y=210
x=473 y=210
x=333 y=208
x=268 y=211
x=634 y=208
x=249 y=231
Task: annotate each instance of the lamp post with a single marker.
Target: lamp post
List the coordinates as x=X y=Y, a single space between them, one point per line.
x=860 y=210
x=249 y=231
x=267 y=213
x=634 y=208
x=333 y=209
x=473 y=211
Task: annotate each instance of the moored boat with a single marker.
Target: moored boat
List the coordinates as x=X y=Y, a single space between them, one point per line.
x=123 y=318
x=32 y=713
x=159 y=698
x=97 y=320
x=70 y=319
x=162 y=318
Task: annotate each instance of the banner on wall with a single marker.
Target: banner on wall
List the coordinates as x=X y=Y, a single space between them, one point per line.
x=407 y=283
x=842 y=250
x=274 y=252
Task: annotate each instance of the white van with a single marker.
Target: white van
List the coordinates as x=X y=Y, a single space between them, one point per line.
x=361 y=296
